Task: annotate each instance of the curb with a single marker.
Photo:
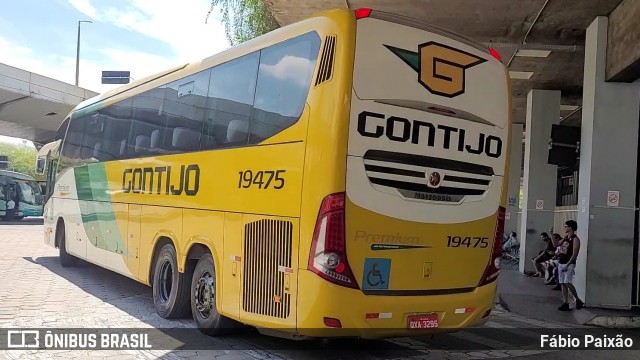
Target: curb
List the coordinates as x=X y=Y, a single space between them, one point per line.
x=590 y=319
x=616 y=322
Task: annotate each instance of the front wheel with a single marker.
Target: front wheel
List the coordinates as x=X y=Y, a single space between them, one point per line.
x=203 y=300
x=66 y=259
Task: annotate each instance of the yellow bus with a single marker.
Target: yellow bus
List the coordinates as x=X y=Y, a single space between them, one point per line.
x=341 y=176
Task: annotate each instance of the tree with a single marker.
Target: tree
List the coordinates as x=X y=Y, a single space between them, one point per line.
x=22 y=157
x=244 y=19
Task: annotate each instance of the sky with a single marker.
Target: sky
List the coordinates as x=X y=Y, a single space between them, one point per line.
x=140 y=36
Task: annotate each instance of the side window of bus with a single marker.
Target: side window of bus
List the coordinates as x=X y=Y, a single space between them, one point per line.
x=72 y=146
x=230 y=102
x=93 y=136
x=62 y=130
x=146 y=122
x=283 y=84
x=185 y=110
x=116 y=141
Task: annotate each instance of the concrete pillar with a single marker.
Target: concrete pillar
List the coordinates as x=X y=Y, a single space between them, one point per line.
x=608 y=162
x=540 y=179
x=515 y=173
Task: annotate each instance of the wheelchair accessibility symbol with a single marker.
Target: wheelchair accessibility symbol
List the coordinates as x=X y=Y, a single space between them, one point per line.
x=376 y=274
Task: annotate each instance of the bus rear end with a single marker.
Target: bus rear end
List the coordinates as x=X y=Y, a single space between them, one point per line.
x=413 y=244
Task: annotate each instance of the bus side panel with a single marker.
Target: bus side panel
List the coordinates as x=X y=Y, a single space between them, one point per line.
x=325 y=161
x=156 y=222
x=229 y=269
x=104 y=222
x=68 y=208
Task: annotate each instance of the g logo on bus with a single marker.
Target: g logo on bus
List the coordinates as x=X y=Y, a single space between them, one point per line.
x=434 y=179
x=441 y=68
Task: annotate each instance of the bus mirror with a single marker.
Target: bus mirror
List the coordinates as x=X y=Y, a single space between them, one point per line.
x=40 y=165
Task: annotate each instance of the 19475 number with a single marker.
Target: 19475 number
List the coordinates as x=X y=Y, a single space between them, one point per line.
x=261 y=179
x=457 y=241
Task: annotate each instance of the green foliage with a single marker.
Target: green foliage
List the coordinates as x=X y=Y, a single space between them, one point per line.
x=22 y=157
x=244 y=19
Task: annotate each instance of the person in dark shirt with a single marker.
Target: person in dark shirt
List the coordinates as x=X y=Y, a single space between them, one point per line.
x=544 y=255
x=568 y=252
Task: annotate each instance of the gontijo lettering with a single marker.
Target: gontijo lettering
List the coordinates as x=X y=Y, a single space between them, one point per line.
x=399 y=129
x=161 y=181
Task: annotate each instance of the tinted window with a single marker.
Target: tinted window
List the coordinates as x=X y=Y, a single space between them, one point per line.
x=116 y=143
x=284 y=79
x=62 y=130
x=231 y=92
x=71 y=148
x=185 y=110
x=147 y=121
x=93 y=137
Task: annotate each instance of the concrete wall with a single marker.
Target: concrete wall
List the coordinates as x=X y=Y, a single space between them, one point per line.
x=608 y=162
x=540 y=178
x=623 y=48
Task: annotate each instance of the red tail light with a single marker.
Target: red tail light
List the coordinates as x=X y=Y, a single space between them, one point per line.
x=331 y=322
x=493 y=268
x=363 y=13
x=495 y=54
x=328 y=257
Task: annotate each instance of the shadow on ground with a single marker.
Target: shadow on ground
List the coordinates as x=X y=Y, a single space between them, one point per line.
x=131 y=296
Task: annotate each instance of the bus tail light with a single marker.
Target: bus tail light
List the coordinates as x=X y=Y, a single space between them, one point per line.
x=328 y=257
x=363 y=13
x=493 y=268
x=495 y=54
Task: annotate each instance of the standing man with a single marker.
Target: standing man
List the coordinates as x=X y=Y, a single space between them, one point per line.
x=568 y=254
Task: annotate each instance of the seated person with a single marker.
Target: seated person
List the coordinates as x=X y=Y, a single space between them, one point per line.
x=543 y=255
x=512 y=242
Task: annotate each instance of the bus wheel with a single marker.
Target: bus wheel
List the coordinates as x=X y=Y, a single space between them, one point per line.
x=66 y=259
x=170 y=287
x=203 y=300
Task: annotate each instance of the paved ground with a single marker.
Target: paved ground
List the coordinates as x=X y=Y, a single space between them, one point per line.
x=38 y=292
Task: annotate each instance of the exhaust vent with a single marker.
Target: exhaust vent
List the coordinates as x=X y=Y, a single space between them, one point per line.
x=326 y=64
x=267 y=259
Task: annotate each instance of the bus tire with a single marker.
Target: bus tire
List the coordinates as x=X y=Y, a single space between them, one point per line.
x=203 y=300
x=66 y=259
x=170 y=287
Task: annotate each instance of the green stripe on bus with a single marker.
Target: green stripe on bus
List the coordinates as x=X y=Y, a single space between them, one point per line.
x=83 y=182
x=98 y=218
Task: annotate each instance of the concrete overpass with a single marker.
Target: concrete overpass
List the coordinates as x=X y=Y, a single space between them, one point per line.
x=575 y=63
x=32 y=106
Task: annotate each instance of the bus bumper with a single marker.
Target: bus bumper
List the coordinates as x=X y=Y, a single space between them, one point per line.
x=318 y=299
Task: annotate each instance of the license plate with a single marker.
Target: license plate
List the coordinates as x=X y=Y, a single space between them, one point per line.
x=422 y=321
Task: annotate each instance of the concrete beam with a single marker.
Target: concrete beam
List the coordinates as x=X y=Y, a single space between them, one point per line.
x=623 y=47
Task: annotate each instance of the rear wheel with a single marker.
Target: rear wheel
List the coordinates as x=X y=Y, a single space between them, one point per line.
x=170 y=287
x=203 y=300
x=66 y=259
